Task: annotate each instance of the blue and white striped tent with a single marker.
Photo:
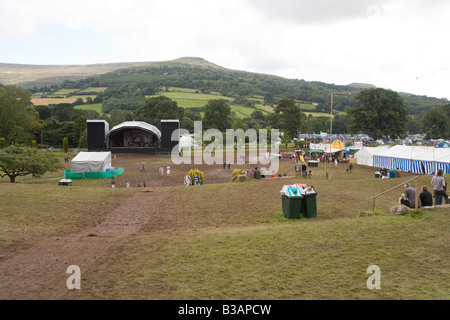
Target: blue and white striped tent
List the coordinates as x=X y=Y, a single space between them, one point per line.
x=422 y=160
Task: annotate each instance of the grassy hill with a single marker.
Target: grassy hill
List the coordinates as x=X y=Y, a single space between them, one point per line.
x=197 y=80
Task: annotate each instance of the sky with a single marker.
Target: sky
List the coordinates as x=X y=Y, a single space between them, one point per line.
x=401 y=45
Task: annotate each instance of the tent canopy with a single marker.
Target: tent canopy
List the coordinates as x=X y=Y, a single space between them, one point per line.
x=91 y=162
x=414 y=159
x=365 y=155
x=133 y=133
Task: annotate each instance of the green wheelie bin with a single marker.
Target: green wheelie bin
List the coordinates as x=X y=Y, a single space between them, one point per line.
x=309 y=204
x=291 y=202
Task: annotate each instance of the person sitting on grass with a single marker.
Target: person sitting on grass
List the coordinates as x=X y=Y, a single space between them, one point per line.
x=392 y=173
x=409 y=197
x=384 y=173
x=425 y=197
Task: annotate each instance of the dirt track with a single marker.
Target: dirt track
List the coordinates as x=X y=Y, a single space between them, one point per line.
x=40 y=272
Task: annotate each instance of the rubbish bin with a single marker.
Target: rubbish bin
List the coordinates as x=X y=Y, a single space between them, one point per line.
x=313 y=163
x=291 y=202
x=65 y=182
x=309 y=204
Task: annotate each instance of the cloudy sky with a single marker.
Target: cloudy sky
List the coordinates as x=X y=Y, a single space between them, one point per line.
x=403 y=45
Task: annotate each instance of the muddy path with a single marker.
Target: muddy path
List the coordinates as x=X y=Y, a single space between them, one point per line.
x=40 y=272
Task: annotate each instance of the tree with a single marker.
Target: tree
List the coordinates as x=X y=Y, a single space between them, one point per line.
x=21 y=161
x=156 y=109
x=17 y=118
x=435 y=124
x=379 y=113
x=413 y=126
x=287 y=117
x=217 y=115
x=340 y=124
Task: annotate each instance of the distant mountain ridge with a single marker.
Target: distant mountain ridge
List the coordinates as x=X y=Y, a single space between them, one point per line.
x=29 y=75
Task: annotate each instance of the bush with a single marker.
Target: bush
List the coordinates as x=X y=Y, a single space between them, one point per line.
x=2 y=143
x=66 y=145
x=200 y=173
x=237 y=171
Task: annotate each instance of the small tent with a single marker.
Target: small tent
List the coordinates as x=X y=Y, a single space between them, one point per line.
x=91 y=162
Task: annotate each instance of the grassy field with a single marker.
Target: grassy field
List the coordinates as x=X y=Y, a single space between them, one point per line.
x=231 y=241
x=185 y=98
x=94 y=106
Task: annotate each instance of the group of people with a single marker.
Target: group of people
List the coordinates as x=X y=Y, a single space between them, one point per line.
x=161 y=169
x=188 y=180
x=425 y=198
x=303 y=170
x=392 y=173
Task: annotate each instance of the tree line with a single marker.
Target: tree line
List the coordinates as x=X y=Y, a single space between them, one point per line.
x=377 y=112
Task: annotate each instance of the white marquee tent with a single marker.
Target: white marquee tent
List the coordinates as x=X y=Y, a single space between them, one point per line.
x=91 y=162
x=365 y=155
x=423 y=160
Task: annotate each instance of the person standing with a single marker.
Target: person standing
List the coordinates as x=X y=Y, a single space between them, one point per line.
x=113 y=183
x=196 y=179
x=161 y=171
x=425 y=197
x=143 y=167
x=187 y=180
x=439 y=183
x=168 y=170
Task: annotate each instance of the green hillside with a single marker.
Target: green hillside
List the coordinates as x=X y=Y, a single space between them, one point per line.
x=199 y=79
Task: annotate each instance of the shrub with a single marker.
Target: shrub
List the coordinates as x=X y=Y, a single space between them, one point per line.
x=237 y=171
x=66 y=145
x=2 y=143
x=200 y=173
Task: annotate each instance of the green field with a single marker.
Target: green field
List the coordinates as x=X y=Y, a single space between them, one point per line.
x=230 y=241
x=95 y=106
x=191 y=98
x=63 y=92
x=93 y=89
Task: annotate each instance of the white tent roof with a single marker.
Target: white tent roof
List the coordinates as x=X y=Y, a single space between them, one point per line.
x=442 y=155
x=365 y=155
x=410 y=152
x=91 y=162
x=136 y=125
x=187 y=142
